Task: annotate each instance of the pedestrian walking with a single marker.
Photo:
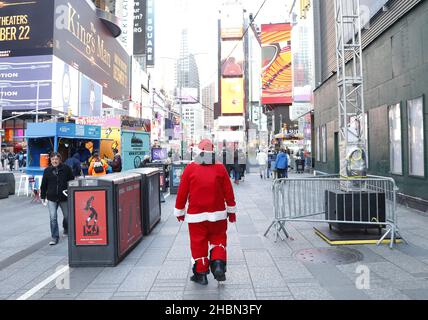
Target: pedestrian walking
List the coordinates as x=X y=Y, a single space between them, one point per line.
x=206 y=185
x=282 y=164
x=11 y=160
x=97 y=166
x=271 y=163
x=262 y=159
x=3 y=158
x=236 y=168
x=54 y=183
x=20 y=159
x=74 y=164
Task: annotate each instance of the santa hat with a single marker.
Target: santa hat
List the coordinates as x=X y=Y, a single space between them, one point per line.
x=205 y=146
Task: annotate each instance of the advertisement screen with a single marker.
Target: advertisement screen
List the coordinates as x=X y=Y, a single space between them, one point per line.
x=232 y=18
x=65 y=87
x=130 y=230
x=26 y=83
x=159 y=154
x=232 y=96
x=84 y=42
x=177 y=172
x=139 y=27
x=276 y=64
x=26 y=27
x=90 y=217
x=90 y=97
x=135 y=145
x=232 y=58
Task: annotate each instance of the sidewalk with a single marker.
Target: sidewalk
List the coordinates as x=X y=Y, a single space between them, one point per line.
x=258 y=268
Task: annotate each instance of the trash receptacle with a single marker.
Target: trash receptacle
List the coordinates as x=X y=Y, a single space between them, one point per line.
x=150 y=197
x=163 y=177
x=9 y=178
x=176 y=172
x=104 y=219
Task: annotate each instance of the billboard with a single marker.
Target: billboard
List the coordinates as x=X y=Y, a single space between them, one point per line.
x=65 y=87
x=232 y=58
x=90 y=217
x=26 y=27
x=26 y=83
x=90 y=97
x=139 y=27
x=135 y=145
x=276 y=64
x=188 y=95
x=232 y=96
x=84 y=42
x=150 y=33
x=232 y=22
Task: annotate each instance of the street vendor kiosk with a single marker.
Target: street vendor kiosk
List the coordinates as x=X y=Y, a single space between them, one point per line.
x=65 y=138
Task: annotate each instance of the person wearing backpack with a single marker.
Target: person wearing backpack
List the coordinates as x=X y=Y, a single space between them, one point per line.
x=97 y=166
x=74 y=164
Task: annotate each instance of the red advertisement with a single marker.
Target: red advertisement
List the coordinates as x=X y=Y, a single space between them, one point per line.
x=90 y=217
x=161 y=182
x=130 y=226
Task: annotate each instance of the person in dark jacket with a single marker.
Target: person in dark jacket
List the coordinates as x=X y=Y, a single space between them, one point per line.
x=74 y=164
x=54 y=183
x=116 y=164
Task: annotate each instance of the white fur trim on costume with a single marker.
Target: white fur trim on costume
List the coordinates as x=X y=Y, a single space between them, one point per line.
x=231 y=209
x=179 y=213
x=206 y=216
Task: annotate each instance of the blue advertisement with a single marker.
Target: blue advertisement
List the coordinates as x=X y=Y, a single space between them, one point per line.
x=159 y=154
x=26 y=83
x=135 y=145
x=90 y=97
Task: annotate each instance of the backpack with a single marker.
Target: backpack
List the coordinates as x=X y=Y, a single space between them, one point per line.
x=98 y=167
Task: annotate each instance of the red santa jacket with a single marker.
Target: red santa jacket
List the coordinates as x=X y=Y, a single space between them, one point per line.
x=208 y=188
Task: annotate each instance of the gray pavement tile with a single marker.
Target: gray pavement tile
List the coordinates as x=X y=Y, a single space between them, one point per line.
x=328 y=275
x=171 y=295
x=237 y=294
x=347 y=293
x=263 y=277
x=237 y=275
x=290 y=268
x=210 y=296
x=276 y=298
x=112 y=275
x=162 y=241
x=258 y=258
x=413 y=250
x=250 y=242
x=385 y=294
x=416 y=294
x=310 y=293
x=133 y=294
x=390 y=271
x=94 y=296
x=139 y=279
x=173 y=273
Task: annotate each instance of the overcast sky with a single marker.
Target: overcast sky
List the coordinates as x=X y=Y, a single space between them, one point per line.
x=200 y=17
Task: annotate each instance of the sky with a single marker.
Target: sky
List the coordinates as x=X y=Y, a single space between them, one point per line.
x=200 y=17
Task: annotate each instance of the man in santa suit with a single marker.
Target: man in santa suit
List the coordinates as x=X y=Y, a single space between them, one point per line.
x=206 y=185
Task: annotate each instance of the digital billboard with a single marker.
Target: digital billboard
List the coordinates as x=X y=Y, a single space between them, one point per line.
x=232 y=18
x=139 y=27
x=65 y=89
x=232 y=58
x=84 y=42
x=276 y=64
x=26 y=83
x=26 y=27
x=232 y=96
x=90 y=97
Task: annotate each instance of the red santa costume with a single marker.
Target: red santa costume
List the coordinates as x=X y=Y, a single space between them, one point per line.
x=206 y=185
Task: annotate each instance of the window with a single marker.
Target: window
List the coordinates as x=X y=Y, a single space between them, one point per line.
x=415 y=114
x=395 y=147
x=318 y=144
x=324 y=142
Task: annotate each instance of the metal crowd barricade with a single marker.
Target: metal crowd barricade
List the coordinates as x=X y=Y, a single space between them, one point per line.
x=370 y=202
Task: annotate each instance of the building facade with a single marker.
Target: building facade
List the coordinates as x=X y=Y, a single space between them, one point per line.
x=395 y=58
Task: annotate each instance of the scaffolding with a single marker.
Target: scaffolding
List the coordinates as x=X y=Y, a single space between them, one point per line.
x=352 y=140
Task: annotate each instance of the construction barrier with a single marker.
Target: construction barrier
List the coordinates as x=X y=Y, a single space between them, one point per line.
x=368 y=203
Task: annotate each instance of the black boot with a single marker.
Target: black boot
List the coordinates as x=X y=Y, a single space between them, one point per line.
x=200 y=278
x=218 y=268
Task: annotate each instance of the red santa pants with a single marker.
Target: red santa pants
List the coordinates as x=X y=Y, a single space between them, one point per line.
x=204 y=233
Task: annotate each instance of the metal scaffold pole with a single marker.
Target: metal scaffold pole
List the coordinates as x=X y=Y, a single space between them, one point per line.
x=352 y=140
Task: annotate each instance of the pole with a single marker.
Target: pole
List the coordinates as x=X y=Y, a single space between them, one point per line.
x=37 y=102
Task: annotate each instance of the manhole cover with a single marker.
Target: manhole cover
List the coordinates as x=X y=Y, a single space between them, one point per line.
x=333 y=256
